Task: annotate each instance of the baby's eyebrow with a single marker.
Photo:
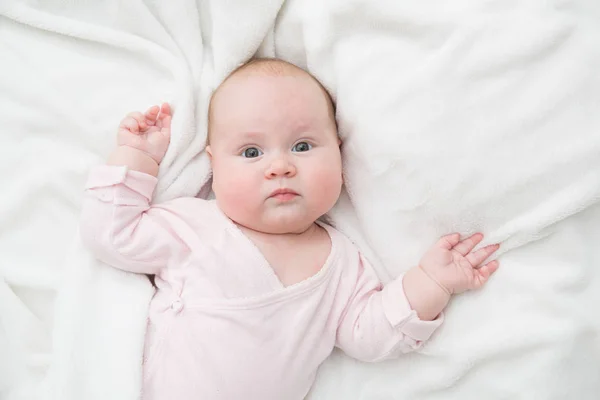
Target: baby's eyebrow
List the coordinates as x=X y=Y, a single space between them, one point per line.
x=302 y=125
x=250 y=135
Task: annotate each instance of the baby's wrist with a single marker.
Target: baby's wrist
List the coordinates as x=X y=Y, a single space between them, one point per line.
x=432 y=276
x=424 y=295
x=134 y=159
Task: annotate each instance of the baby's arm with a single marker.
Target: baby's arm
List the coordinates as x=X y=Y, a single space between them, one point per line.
x=378 y=322
x=381 y=323
x=117 y=223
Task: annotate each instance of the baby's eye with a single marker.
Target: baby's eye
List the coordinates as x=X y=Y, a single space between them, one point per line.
x=301 y=147
x=251 y=152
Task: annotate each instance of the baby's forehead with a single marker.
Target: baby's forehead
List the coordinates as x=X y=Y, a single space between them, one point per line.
x=259 y=93
x=257 y=81
x=257 y=102
x=268 y=75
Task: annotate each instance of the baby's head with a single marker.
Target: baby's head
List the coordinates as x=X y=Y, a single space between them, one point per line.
x=274 y=148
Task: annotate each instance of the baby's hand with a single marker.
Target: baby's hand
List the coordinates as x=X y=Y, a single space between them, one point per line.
x=452 y=265
x=149 y=133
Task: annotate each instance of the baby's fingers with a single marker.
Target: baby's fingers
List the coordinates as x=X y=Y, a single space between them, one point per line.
x=130 y=124
x=449 y=241
x=139 y=117
x=165 y=127
x=164 y=119
x=165 y=109
x=483 y=274
x=152 y=114
x=468 y=244
x=481 y=255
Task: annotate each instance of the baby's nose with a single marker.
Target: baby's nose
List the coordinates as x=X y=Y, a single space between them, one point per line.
x=281 y=166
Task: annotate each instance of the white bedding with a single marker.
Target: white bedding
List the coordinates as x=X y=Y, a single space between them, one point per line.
x=464 y=115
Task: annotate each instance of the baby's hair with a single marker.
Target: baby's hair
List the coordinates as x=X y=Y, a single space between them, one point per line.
x=269 y=67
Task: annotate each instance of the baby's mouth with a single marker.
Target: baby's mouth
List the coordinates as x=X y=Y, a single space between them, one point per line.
x=283 y=194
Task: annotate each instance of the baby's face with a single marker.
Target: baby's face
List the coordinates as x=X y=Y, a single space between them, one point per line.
x=275 y=152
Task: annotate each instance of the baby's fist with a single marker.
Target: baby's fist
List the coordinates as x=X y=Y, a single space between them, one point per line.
x=149 y=133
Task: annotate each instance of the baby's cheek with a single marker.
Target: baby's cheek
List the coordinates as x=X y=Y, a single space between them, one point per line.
x=329 y=187
x=236 y=194
x=233 y=190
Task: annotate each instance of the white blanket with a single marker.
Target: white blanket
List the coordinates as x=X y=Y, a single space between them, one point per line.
x=470 y=116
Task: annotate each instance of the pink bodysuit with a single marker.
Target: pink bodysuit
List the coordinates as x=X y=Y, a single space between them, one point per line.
x=221 y=324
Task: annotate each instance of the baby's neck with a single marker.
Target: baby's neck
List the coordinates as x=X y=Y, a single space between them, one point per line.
x=281 y=238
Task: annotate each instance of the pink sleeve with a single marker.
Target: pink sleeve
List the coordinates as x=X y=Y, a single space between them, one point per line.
x=378 y=322
x=119 y=225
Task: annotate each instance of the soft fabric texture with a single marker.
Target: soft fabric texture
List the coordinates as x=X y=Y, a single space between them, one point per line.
x=221 y=315
x=456 y=116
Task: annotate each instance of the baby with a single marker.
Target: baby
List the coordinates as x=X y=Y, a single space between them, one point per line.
x=253 y=290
